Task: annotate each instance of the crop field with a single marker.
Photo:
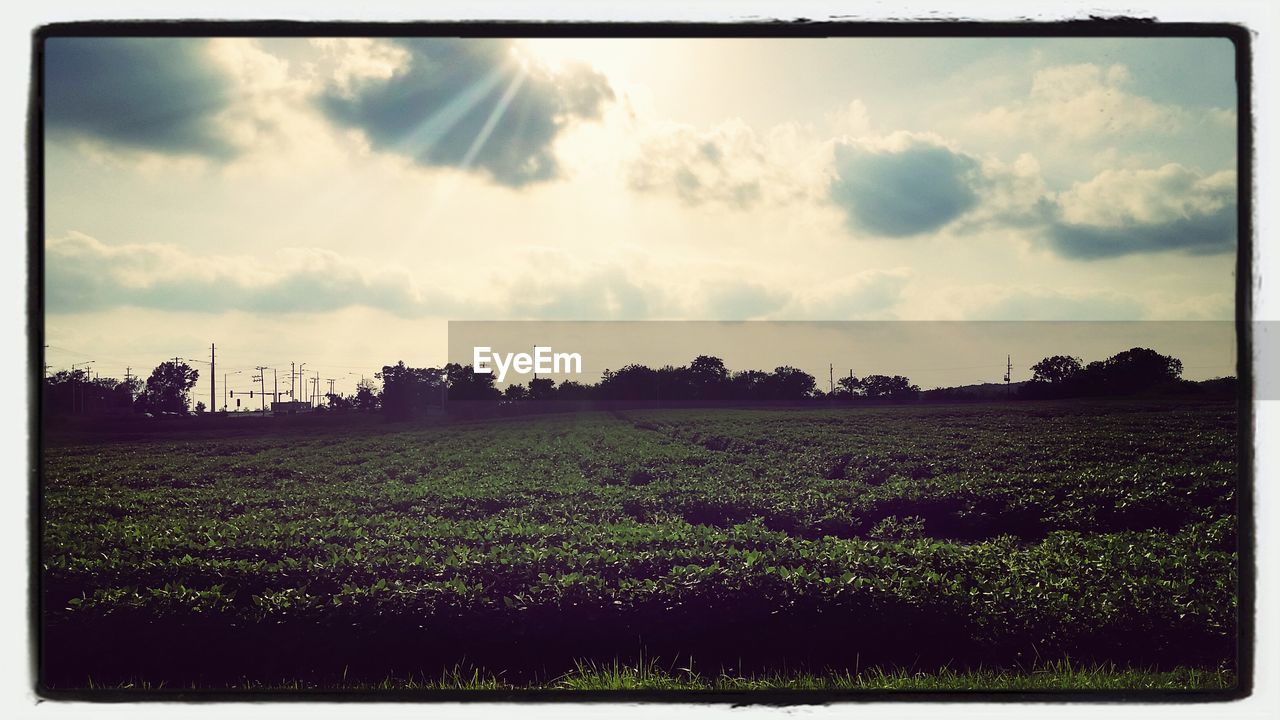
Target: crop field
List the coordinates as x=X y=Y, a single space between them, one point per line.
x=703 y=547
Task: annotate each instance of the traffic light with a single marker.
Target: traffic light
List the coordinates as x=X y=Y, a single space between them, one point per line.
x=250 y=394
x=233 y=393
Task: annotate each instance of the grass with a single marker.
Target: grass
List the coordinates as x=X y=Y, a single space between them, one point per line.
x=650 y=675
x=778 y=539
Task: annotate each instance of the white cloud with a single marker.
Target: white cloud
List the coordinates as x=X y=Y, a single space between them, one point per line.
x=865 y=295
x=1130 y=197
x=730 y=164
x=1032 y=302
x=85 y=274
x=1079 y=103
x=353 y=61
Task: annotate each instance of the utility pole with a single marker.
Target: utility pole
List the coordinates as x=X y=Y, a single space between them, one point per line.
x=1008 y=374
x=301 y=386
x=213 y=378
x=831 y=379
x=331 y=382
x=262 y=389
x=291 y=374
x=275 y=387
x=75 y=383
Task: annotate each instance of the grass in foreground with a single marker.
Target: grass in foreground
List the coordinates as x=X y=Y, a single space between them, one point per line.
x=650 y=675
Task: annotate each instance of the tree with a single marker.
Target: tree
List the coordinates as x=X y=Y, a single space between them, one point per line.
x=465 y=384
x=1134 y=370
x=1138 y=369
x=573 y=391
x=631 y=382
x=848 y=388
x=367 y=397
x=542 y=389
x=76 y=391
x=748 y=384
x=408 y=391
x=339 y=402
x=894 y=388
x=707 y=377
x=788 y=383
x=200 y=408
x=516 y=392
x=1056 y=369
x=168 y=388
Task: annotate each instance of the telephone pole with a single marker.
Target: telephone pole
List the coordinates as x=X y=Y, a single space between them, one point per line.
x=831 y=379
x=213 y=378
x=75 y=383
x=275 y=387
x=1008 y=374
x=331 y=382
x=262 y=386
x=292 y=372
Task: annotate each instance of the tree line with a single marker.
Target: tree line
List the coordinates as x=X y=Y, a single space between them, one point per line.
x=408 y=391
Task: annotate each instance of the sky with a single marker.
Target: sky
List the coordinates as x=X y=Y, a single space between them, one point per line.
x=337 y=201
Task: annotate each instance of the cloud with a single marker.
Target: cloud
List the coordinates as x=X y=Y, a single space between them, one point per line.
x=356 y=61
x=84 y=274
x=870 y=294
x=743 y=301
x=729 y=164
x=602 y=294
x=996 y=302
x=469 y=104
x=1081 y=102
x=157 y=94
x=903 y=185
x=1121 y=212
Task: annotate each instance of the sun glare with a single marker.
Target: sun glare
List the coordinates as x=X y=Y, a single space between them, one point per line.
x=606 y=55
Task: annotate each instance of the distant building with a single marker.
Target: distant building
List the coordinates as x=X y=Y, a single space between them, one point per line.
x=290 y=408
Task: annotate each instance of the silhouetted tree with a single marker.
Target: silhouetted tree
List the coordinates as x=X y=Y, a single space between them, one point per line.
x=893 y=388
x=68 y=391
x=367 y=398
x=339 y=402
x=542 y=389
x=466 y=385
x=1134 y=370
x=748 y=384
x=168 y=388
x=408 y=391
x=572 y=391
x=788 y=383
x=847 y=389
x=632 y=382
x=1056 y=369
x=708 y=377
x=1141 y=368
